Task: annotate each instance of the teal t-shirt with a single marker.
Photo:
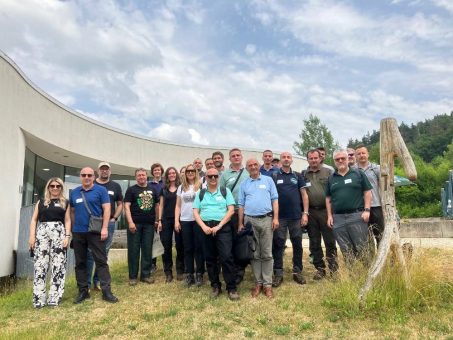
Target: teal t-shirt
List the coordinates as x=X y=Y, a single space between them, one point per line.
x=214 y=206
x=229 y=177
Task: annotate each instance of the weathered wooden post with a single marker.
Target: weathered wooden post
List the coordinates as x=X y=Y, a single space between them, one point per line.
x=392 y=145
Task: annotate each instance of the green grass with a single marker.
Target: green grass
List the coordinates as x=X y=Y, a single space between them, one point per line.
x=327 y=309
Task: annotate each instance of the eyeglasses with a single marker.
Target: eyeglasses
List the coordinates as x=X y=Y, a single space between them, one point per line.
x=190 y=171
x=86 y=175
x=351 y=154
x=212 y=176
x=340 y=159
x=54 y=186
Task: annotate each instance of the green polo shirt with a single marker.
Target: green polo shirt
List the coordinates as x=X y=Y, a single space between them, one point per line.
x=316 y=183
x=229 y=177
x=214 y=206
x=346 y=192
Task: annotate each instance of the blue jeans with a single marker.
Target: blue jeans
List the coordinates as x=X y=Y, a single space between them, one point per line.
x=90 y=260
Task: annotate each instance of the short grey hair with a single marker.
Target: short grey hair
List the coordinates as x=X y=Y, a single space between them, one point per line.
x=336 y=152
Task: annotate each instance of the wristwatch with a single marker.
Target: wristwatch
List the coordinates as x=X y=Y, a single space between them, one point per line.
x=366 y=209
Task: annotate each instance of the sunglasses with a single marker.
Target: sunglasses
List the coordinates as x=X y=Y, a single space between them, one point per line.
x=55 y=186
x=212 y=176
x=190 y=171
x=86 y=175
x=340 y=159
x=351 y=154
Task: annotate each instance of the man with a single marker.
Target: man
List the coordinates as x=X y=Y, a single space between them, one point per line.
x=316 y=177
x=351 y=158
x=212 y=210
x=322 y=153
x=96 y=198
x=141 y=204
x=373 y=172
x=209 y=164
x=348 y=201
x=198 y=164
x=232 y=178
x=276 y=162
x=156 y=183
x=258 y=205
x=116 y=206
x=218 y=158
x=293 y=216
x=268 y=168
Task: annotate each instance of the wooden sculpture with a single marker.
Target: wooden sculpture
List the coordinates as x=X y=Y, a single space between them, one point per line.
x=392 y=145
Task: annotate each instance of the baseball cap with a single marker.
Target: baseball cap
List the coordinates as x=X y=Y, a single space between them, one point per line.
x=104 y=164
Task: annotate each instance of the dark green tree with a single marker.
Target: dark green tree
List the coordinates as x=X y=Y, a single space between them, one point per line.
x=315 y=134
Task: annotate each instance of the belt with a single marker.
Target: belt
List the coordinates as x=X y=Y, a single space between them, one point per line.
x=351 y=211
x=262 y=216
x=318 y=208
x=211 y=223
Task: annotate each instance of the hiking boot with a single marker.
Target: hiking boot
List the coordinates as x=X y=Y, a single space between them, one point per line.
x=168 y=278
x=233 y=295
x=268 y=292
x=189 y=280
x=199 y=280
x=257 y=290
x=109 y=297
x=148 y=280
x=277 y=281
x=299 y=278
x=179 y=277
x=82 y=296
x=319 y=275
x=215 y=292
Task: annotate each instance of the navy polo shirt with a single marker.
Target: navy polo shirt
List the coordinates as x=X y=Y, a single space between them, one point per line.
x=289 y=197
x=96 y=197
x=269 y=172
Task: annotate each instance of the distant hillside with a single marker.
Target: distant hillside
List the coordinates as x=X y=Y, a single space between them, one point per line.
x=427 y=139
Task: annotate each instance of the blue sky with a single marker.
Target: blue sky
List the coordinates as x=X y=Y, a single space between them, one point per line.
x=237 y=73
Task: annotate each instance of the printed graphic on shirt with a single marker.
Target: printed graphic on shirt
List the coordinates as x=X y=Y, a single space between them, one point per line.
x=188 y=197
x=145 y=200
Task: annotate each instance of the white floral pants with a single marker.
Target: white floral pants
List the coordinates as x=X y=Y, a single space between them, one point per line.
x=49 y=251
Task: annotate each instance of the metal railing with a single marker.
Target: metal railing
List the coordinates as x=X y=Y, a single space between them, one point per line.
x=447 y=197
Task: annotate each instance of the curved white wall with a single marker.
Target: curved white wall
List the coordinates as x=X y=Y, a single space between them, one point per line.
x=30 y=118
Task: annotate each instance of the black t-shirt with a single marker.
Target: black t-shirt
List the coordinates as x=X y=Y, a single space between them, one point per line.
x=54 y=212
x=169 y=203
x=115 y=194
x=143 y=202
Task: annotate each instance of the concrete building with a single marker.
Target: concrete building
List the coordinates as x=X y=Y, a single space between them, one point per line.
x=41 y=138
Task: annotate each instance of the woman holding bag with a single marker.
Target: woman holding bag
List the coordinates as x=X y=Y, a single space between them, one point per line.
x=50 y=230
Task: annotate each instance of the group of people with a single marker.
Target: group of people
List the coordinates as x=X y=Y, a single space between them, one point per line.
x=204 y=212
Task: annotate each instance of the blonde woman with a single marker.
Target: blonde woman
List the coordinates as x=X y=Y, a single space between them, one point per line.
x=50 y=229
x=186 y=225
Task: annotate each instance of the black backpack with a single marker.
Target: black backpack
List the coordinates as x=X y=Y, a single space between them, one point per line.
x=222 y=191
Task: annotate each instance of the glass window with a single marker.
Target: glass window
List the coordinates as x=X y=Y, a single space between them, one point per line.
x=29 y=171
x=44 y=171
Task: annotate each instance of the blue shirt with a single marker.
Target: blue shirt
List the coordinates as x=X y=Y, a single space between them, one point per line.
x=269 y=172
x=214 y=206
x=289 y=196
x=256 y=195
x=96 y=197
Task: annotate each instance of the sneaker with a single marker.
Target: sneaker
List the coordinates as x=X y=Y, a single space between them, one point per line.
x=97 y=287
x=233 y=295
x=216 y=291
x=299 y=278
x=277 y=281
x=132 y=282
x=153 y=268
x=82 y=296
x=179 y=277
x=199 y=280
x=148 y=280
x=189 y=280
x=319 y=275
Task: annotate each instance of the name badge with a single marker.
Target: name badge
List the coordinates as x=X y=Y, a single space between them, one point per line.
x=79 y=200
x=347 y=181
x=149 y=192
x=111 y=193
x=280 y=181
x=308 y=184
x=219 y=198
x=232 y=179
x=57 y=205
x=262 y=186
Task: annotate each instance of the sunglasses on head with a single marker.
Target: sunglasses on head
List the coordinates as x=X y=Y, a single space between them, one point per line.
x=54 y=186
x=86 y=175
x=212 y=176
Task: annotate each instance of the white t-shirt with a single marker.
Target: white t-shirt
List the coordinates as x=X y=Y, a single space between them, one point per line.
x=187 y=198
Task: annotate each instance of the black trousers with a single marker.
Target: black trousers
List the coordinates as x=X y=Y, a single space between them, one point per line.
x=317 y=228
x=81 y=243
x=239 y=265
x=376 y=223
x=192 y=237
x=166 y=236
x=220 y=247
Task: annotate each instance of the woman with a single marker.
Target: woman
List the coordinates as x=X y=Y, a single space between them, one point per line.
x=166 y=222
x=185 y=222
x=49 y=240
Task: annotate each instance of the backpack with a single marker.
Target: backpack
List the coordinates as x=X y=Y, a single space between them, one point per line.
x=203 y=191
